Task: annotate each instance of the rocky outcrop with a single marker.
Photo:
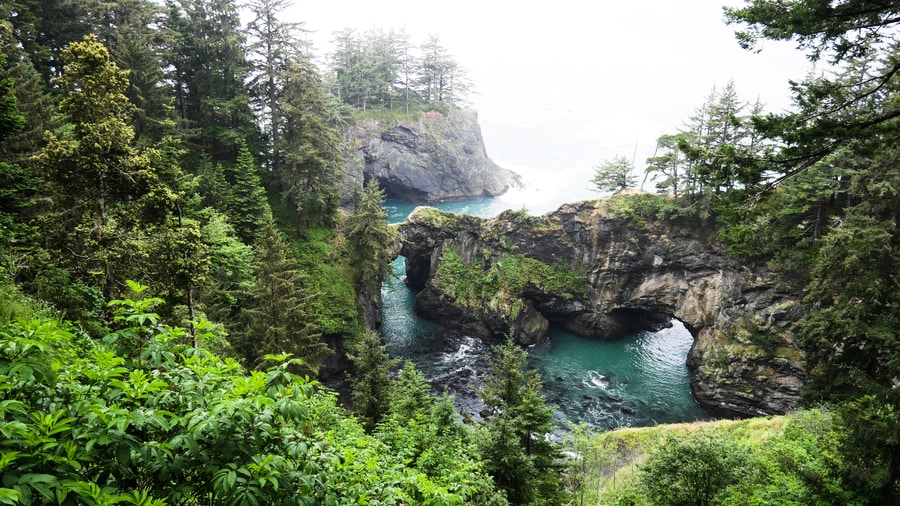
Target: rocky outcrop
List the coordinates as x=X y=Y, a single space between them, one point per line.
x=600 y=275
x=439 y=158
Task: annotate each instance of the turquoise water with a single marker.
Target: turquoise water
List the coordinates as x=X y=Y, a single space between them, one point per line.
x=639 y=380
x=636 y=381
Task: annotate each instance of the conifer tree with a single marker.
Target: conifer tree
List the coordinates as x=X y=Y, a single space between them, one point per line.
x=519 y=456
x=137 y=42
x=309 y=145
x=248 y=206
x=273 y=44
x=209 y=70
x=277 y=320
x=371 y=380
x=410 y=392
x=614 y=175
x=369 y=237
x=97 y=173
x=33 y=101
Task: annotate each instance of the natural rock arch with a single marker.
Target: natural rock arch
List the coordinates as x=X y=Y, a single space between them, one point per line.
x=637 y=274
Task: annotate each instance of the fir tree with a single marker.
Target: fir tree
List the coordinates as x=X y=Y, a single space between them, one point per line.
x=369 y=237
x=519 y=456
x=277 y=318
x=98 y=173
x=248 y=206
x=371 y=381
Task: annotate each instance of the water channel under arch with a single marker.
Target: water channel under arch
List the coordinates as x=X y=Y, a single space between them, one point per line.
x=639 y=380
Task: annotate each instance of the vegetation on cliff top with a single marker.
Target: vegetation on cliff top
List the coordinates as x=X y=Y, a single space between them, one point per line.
x=505 y=281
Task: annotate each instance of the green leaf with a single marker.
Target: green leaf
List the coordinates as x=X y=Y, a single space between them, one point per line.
x=9 y=496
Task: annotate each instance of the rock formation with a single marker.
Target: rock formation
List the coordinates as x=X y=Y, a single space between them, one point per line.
x=601 y=275
x=439 y=158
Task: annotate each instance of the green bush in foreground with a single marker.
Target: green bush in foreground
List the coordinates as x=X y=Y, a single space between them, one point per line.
x=142 y=418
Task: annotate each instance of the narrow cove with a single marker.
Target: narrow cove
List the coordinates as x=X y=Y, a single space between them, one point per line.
x=639 y=380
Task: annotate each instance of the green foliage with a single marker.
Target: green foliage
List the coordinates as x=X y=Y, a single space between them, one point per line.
x=643 y=207
x=97 y=176
x=167 y=423
x=276 y=315
x=693 y=470
x=368 y=238
x=371 y=380
x=209 y=70
x=517 y=453
x=11 y=120
x=382 y=70
x=614 y=175
x=308 y=147
x=869 y=448
x=474 y=286
x=247 y=207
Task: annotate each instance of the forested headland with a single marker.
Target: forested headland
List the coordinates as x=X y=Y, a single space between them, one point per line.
x=180 y=264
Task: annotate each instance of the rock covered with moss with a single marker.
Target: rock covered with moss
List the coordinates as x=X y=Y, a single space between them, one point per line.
x=600 y=271
x=440 y=157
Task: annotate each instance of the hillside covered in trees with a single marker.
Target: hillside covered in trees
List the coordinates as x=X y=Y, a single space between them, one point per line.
x=177 y=270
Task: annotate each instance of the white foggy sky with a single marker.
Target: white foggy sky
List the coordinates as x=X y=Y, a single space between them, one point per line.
x=562 y=85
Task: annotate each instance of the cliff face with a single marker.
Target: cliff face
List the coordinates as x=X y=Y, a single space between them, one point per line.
x=600 y=276
x=439 y=158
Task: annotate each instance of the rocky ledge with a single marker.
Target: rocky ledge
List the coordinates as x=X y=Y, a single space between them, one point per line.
x=439 y=158
x=601 y=275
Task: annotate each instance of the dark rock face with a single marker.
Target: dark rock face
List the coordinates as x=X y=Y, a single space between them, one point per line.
x=440 y=158
x=744 y=360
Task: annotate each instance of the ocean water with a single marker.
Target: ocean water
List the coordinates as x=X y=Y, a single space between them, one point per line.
x=639 y=380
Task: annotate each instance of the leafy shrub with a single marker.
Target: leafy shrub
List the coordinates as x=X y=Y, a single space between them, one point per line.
x=141 y=416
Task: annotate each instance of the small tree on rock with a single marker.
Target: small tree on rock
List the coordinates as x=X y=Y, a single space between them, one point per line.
x=614 y=175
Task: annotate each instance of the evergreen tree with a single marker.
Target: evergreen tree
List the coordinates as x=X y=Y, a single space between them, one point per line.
x=16 y=184
x=132 y=31
x=273 y=45
x=833 y=111
x=667 y=161
x=614 y=175
x=277 y=317
x=521 y=459
x=45 y=28
x=309 y=145
x=98 y=173
x=369 y=237
x=442 y=79
x=209 y=71
x=11 y=120
x=410 y=393
x=33 y=101
x=248 y=206
x=215 y=190
x=371 y=380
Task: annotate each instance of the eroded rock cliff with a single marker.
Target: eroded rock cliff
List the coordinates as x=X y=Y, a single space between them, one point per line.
x=441 y=157
x=600 y=275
